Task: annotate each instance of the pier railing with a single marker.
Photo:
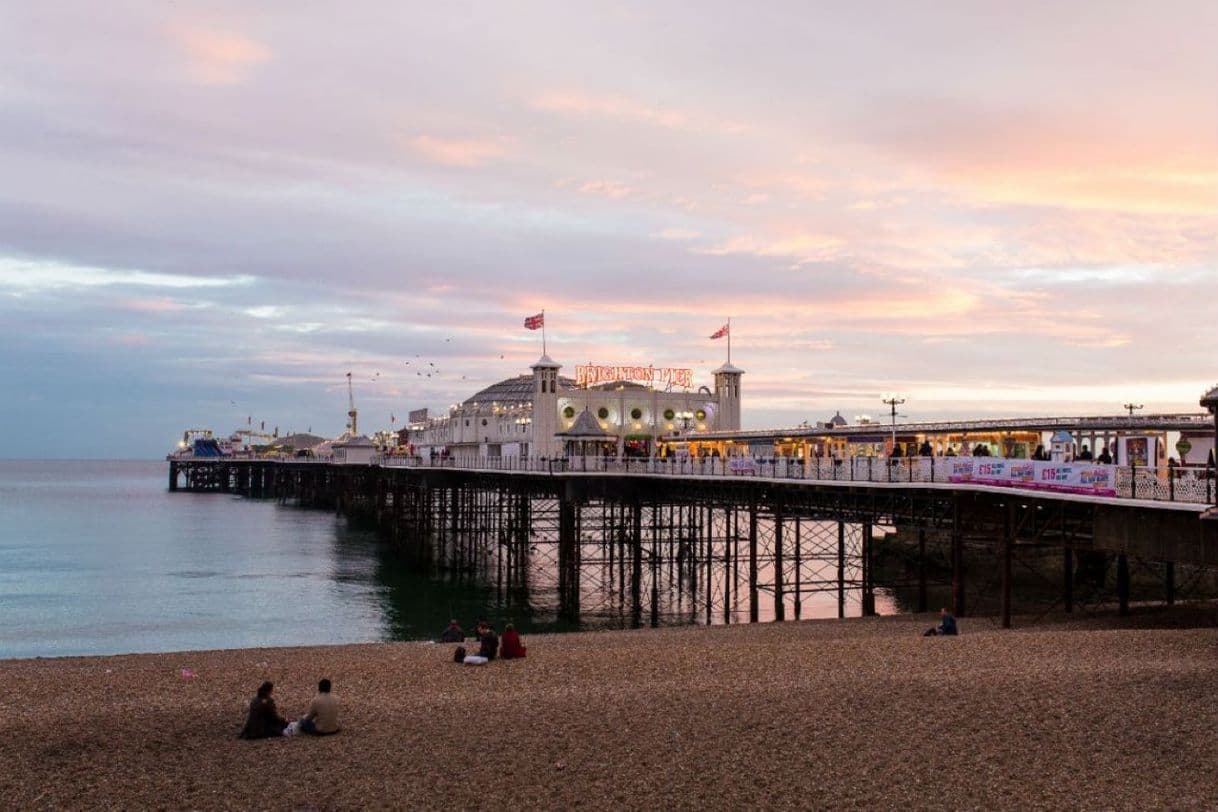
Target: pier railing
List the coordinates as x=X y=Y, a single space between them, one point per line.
x=1176 y=483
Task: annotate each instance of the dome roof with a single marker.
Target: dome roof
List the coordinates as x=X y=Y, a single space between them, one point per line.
x=512 y=390
x=837 y=420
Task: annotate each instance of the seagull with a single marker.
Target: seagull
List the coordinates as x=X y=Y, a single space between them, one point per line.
x=501 y=358
x=447 y=340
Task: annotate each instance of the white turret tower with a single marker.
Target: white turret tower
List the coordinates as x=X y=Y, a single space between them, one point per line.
x=727 y=390
x=545 y=408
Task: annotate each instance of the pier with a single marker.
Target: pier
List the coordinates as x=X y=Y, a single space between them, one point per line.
x=649 y=543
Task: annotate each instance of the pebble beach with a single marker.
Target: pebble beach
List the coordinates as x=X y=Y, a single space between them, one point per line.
x=1095 y=713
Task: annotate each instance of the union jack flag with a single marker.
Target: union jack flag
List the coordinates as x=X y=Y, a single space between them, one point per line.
x=535 y=322
x=721 y=332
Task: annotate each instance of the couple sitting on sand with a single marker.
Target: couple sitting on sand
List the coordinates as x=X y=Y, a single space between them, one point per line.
x=489 y=645
x=264 y=721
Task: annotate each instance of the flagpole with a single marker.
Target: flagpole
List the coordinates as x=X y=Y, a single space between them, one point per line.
x=729 y=341
x=543 y=332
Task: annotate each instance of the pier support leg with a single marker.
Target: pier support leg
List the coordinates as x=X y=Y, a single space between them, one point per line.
x=568 y=561
x=1068 y=579
x=753 y=607
x=636 y=575
x=841 y=570
x=780 y=607
x=922 y=607
x=1123 y=584
x=173 y=477
x=798 y=585
x=868 y=573
x=1008 y=543
x=1170 y=582
x=958 y=608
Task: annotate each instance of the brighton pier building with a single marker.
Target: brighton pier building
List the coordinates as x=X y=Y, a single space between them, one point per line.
x=617 y=410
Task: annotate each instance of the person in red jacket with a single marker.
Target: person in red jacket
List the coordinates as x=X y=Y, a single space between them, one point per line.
x=510 y=647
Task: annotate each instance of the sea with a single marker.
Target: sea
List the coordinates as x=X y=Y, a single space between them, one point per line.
x=98 y=557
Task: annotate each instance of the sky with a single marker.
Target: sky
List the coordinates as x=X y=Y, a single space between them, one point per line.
x=210 y=212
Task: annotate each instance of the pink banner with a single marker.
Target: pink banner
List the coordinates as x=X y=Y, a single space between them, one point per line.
x=1067 y=477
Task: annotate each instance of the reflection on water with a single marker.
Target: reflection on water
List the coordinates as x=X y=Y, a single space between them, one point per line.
x=98 y=558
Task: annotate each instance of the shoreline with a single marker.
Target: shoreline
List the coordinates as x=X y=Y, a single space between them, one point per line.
x=1080 y=712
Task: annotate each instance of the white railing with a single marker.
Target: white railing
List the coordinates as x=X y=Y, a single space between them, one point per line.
x=1190 y=484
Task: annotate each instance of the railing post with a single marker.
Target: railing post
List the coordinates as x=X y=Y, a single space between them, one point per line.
x=1171 y=480
x=1133 y=480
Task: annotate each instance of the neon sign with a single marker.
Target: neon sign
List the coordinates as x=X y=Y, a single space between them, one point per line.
x=594 y=374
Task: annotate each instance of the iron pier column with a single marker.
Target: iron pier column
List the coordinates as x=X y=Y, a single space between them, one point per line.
x=753 y=608
x=1068 y=579
x=1123 y=583
x=780 y=609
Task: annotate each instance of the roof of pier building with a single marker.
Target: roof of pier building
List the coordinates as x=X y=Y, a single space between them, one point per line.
x=512 y=390
x=520 y=390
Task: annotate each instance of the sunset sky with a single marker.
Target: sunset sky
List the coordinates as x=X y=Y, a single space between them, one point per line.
x=213 y=211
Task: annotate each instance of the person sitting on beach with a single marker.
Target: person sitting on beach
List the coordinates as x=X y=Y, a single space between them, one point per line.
x=264 y=721
x=490 y=641
x=947 y=625
x=487 y=650
x=511 y=648
x=322 y=718
x=453 y=634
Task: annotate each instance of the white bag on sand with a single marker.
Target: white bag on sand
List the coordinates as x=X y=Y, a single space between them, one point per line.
x=474 y=659
x=292 y=729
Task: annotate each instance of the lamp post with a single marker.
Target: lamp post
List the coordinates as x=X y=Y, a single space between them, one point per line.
x=1133 y=407
x=893 y=400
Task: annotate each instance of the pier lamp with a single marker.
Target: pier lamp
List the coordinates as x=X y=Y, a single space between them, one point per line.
x=1132 y=407
x=893 y=400
x=685 y=415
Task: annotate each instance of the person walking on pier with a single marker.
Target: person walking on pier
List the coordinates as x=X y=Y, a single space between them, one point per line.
x=264 y=721
x=453 y=634
x=947 y=625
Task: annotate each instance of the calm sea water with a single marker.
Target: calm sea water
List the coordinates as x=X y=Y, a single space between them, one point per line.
x=98 y=558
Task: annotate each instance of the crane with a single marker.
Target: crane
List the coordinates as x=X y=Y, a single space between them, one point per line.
x=352 y=414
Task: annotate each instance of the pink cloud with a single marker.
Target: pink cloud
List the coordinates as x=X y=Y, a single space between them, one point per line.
x=155 y=305
x=218 y=57
x=607 y=188
x=584 y=104
x=456 y=151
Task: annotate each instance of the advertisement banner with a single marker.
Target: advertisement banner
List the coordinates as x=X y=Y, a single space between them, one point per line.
x=1067 y=477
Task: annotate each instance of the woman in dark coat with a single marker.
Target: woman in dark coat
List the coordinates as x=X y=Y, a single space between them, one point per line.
x=264 y=721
